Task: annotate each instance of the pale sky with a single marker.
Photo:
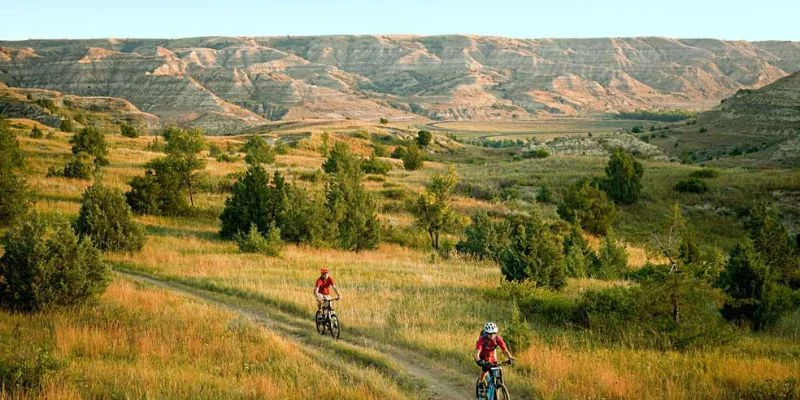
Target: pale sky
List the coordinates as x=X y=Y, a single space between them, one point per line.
x=731 y=19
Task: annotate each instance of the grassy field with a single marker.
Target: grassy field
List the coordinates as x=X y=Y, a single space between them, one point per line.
x=142 y=342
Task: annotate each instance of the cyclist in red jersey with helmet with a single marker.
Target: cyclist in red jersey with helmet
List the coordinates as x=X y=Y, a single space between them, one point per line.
x=485 y=350
x=322 y=289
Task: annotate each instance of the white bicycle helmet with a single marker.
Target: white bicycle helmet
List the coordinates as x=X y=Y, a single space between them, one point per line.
x=490 y=327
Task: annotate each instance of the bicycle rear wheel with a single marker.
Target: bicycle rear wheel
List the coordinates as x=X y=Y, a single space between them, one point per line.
x=333 y=326
x=501 y=393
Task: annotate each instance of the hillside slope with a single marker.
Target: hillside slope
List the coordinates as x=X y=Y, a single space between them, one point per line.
x=751 y=128
x=227 y=83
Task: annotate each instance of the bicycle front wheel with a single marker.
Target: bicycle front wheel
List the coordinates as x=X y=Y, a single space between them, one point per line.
x=320 y=323
x=333 y=326
x=501 y=393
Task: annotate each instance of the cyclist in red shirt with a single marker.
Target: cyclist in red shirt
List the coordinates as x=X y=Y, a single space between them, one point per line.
x=485 y=350
x=322 y=289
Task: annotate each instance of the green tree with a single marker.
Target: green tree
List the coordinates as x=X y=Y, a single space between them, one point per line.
x=351 y=211
x=578 y=257
x=424 y=138
x=255 y=202
x=772 y=242
x=254 y=242
x=589 y=206
x=129 y=130
x=14 y=196
x=612 y=259
x=67 y=125
x=37 y=132
x=258 y=151
x=485 y=239
x=432 y=210
x=47 y=265
x=413 y=159
x=159 y=191
x=624 y=177
x=534 y=254
x=183 y=149
x=304 y=217
x=105 y=217
x=399 y=152
x=755 y=296
x=91 y=141
x=79 y=166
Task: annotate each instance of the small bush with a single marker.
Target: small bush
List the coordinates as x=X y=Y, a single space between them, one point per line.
x=399 y=152
x=67 y=126
x=157 y=145
x=538 y=153
x=394 y=194
x=424 y=138
x=254 y=242
x=373 y=165
x=545 y=194
x=46 y=265
x=258 y=151
x=380 y=150
x=589 y=206
x=25 y=372
x=281 y=147
x=384 y=121
x=37 y=132
x=128 y=130
x=705 y=173
x=105 y=218
x=221 y=155
x=691 y=185
x=413 y=158
x=80 y=166
x=91 y=141
x=703 y=130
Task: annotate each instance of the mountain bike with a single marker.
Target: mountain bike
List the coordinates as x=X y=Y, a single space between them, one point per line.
x=327 y=319
x=494 y=386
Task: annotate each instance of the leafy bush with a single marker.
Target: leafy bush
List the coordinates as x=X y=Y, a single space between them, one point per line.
x=14 y=196
x=80 y=166
x=691 y=185
x=67 y=126
x=254 y=242
x=413 y=159
x=579 y=259
x=424 y=138
x=105 y=218
x=485 y=239
x=399 y=152
x=612 y=259
x=255 y=201
x=341 y=161
x=90 y=141
x=534 y=253
x=159 y=191
x=589 y=206
x=380 y=150
x=383 y=121
x=25 y=372
x=373 y=165
x=128 y=130
x=47 y=265
x=221 y=155
x=37 y=132
x=704 y=173
x=545 y=194
x=538 y=153
x=258 y=151
x=623 y=177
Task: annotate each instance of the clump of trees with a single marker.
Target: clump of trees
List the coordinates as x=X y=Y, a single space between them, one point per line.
x=168 y=179
x=89 y=153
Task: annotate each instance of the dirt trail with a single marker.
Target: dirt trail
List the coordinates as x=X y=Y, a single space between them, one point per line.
x=437 y=382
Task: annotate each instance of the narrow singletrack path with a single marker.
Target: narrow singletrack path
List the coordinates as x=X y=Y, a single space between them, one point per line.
x=405 y=366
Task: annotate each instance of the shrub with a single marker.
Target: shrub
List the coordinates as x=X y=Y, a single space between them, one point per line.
x=538 y=153
x=67 y=126
x=14 y=196
x=159 y=191
x=37 y=132
x=47 y=265
x=637 y=129
x=623 y=177
x=578 y=257
x=373 y=165
x=105 y=218
x=704 y=173
x=485 y=239
x=258 y=151
x=545 y=194
x=128 y=130
x=703 y=130
x=612 y=259
x=221 y=155
x=254 y=242
x=80 y=166
x=255 y=201
x=534 y=253
x=341 y=160
x=399 y=152
x=90 y=141
x=380 y=150
x=589 y=206
x=281 y=147
x=413 y=159
x=25 y=372
x=384 y=121
x=424 y=138
x=691 y=185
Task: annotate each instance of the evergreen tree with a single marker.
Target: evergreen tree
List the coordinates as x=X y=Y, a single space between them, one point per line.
x=255 y=201
x=91 y=141
x=47 y=265
x=578 y=257
x=534 y=254
x=105 y=217
x=159 y=191
x=485 y=239
x=413 y=159
x=624 y=177
x=773 y=243
x=589 y=206
x=258 y=151
x=612 y=259
x=424 y=138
